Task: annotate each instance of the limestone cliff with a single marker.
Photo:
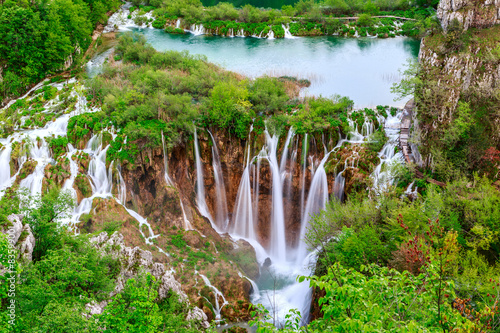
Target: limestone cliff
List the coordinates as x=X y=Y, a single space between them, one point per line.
x=469 y=13
x=458 y=97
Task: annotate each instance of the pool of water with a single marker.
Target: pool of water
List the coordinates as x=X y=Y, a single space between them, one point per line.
x=363 y=69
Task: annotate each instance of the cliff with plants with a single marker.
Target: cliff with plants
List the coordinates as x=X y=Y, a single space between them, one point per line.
x=457 y=91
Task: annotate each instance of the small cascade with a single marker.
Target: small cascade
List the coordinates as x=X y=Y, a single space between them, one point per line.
x=200 y=183
x=270 y=34
x=122 y=188
x=382 y=176
x=178 y=23
x=222 y=219
x=5 y=167
x=41 y=154
x=338 y=186
x=316 y=201
x=288 y=35
x=165 y=162
x=197 y=29
x=240 y=33
x=217 y=306
x=278 y=243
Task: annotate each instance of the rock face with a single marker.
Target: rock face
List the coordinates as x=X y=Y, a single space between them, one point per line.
x=454 y=70
x=469 y=13
x=20 y=236
x=133 y=260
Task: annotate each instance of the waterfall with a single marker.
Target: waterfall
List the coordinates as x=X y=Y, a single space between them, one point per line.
x=165 y=162
x=278 y=243
x=168 y=180
x=5 y=167
x=197 y=29
x=305 y=145
x=178 y=24
x=222 y=219
x=284 y=156
x=338 y=186
x=383 y=178
x=243 y=220
x=200 y=183
x=217 y=294
x=270 y=34
x=316 y=201
x=288 y=35
x=241 y=33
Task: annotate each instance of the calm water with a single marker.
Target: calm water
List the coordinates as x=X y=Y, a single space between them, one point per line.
x=362 y=68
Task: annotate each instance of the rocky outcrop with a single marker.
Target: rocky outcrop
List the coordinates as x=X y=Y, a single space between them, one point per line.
x=133 y=261
x=20 y=236
x=469 y=13
x=470 y=74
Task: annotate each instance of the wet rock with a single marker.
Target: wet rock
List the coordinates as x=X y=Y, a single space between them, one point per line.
x=244 y=255
x=267 y=263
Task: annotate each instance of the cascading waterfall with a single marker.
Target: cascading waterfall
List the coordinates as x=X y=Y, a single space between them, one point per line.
x=178 y=24
x=197 y=29
x=382 y=176
x=222 y=219
x=243 y=220
x=5 y=167
x=278 y=242
x=217 y=306
x=338 y=186
x=305 y=146
x=316 y=201
x=288 y=35
x=168 y=180
x=200 y=183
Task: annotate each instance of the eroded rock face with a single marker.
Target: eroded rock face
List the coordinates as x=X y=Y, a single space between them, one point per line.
x=20 y=235
x=456 y=76
x=134 y=260
x=469 y=13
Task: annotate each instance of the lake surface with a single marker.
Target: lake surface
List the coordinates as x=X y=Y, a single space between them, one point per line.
x=363 y=69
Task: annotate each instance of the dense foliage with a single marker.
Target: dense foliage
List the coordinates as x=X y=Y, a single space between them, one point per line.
x=68 y=272
x=38 y=38
x=393 y=265
x=305 y=18
x=465 y=140
x=150 y=94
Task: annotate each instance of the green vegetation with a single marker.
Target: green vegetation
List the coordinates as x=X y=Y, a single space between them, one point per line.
x=152 y=93
x=305 y=18
x=68 y=272
x=465 y=140
x=392 y=265
x=36 y=39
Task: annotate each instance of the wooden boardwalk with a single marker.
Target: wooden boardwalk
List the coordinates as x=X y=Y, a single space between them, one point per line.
x=404 y=136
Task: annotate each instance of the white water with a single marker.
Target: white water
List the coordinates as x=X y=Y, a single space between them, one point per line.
x=382 y=176
x=278 y=242
x=243 y=220
x=200 y=184
x=217 y=306
x=316 y=202
x=221 y=216
x=288 y=35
